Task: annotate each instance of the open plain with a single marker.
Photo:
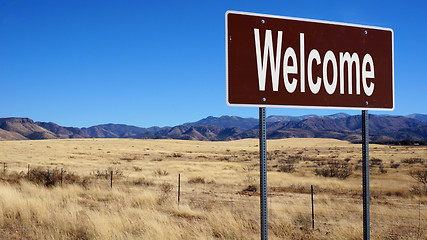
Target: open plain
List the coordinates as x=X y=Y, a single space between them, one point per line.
x=218 y=190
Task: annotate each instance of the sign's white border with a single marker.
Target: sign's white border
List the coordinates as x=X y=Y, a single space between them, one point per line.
x=304 y=20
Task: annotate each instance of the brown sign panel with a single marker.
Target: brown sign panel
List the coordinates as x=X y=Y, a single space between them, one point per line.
x=289 y=62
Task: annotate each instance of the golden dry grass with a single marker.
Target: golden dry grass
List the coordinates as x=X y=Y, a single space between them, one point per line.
x=143 y=201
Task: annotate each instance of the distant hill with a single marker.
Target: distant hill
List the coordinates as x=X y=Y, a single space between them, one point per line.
x=349 y=128
x=275 y=118
x=7 y=135
x=227 y=122
x=421 y=117
x=120 y=130
x=342 y=126
x=117 y=131
x=23 y=128
x=63 y=132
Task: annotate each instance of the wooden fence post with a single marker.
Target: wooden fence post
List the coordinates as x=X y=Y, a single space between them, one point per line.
x=312 y=207
x=179 y=188
x=111 y=183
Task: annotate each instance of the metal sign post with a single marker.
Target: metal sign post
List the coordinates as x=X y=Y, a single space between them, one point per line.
x=262 y=49
x=365 y=174
x=263 y=172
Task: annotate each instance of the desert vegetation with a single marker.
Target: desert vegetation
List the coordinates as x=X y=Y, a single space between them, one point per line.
x=60 y=189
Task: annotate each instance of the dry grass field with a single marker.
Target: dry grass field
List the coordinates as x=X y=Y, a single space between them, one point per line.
x=219 y=189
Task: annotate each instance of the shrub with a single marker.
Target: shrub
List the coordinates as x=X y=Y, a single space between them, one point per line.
x=303 y=221
x=129 y=158
x=42 y=177
x=160 y=173
x=106 y=173
x=70 y=178
x=49 y=177
x=137 y=169
x=142 y=181
x=375 y=161
x=196 y=180
x=394 y=165
x=382 y=170
x=419 y=175
x=413 y=160
x=165 y=189
x=294 y=158
x=13 y=177
x=335 y=168
x=85 y=182
x=100 y=173
x=116 y=172
x=419 y=190
x=251 y=188
x=287 y=168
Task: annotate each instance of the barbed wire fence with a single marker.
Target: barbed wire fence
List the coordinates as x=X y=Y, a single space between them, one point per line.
x=328 y=215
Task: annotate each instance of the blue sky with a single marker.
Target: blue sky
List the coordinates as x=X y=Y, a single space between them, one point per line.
x=162 y=63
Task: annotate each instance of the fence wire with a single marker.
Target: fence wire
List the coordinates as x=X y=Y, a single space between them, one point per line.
x=321 y=217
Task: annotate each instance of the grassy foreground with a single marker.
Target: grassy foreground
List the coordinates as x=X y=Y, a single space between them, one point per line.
x=219 y=190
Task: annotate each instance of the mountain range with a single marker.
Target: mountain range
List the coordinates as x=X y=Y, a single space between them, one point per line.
x=382 y=128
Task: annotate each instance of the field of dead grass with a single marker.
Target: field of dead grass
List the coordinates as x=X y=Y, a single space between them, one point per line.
x=219 y=189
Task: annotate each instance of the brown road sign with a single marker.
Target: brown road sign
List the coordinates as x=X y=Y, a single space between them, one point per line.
x=275 y=61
